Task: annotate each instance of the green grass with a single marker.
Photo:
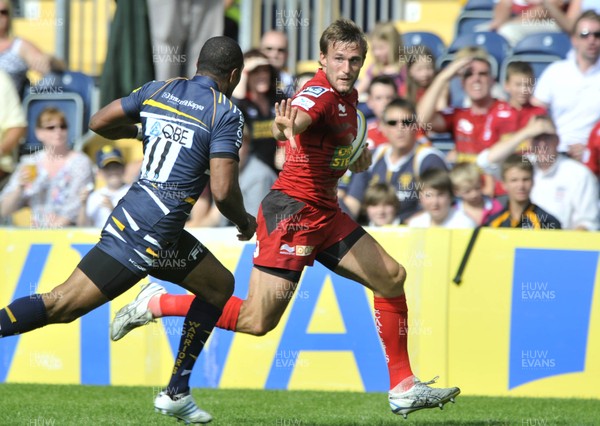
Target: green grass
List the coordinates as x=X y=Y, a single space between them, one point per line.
x=89 y=405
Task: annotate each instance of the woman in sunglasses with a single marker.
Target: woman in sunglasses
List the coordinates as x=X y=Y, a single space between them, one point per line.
x=49 y=181
x=17 y=56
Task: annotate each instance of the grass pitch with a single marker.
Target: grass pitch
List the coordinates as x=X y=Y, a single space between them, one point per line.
x=106 y=405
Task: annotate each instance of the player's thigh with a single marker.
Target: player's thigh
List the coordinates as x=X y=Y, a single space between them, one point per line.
x=210 y=280
x=268 y=298
x=368 y=263
x=75 y=297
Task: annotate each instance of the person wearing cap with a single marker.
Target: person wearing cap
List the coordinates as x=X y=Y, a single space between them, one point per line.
x=97 y=204
x=563 y=187
x=256 y=95
x=50 y=180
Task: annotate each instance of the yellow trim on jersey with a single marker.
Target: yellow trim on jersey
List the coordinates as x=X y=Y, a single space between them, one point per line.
x=160 y=105
x=214 y=106
x=10 y=315
x=151 y=252
x=118 y=223
x=190 y=200
x=498 y=221
x=534 y=219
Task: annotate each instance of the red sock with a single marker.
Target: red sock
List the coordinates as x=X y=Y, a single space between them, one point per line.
x=231 y=312
x=170 y=305
x=391 y=319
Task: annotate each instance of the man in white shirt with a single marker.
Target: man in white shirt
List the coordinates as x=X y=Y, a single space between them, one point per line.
x=570 y=89
x=562 y=186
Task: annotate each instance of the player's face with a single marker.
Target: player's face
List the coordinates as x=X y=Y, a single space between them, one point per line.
x=399 y=126
x=478 y=81
x=436 y=203
x=342 y=64
x=381 y=214
x=586 y=40
x=380 y=95
x=518 y=184
x=519 y=88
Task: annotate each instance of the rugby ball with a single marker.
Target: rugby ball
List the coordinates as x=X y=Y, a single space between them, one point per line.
x=360 y=141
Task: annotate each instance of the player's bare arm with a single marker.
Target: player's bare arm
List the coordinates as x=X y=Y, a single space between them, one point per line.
x=225 y=189
x=111 y=122
x=289 y=121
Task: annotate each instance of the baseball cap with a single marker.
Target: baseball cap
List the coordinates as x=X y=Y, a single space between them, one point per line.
x=108 y=154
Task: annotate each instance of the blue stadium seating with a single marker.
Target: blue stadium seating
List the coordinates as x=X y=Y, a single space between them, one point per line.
x=431 y=40
x=537 y=62
x=70 y=104
x=547 y=43
x=480 y=5
x=469 y=20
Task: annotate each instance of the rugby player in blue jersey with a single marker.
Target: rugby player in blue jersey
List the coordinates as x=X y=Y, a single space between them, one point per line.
x=188 y=128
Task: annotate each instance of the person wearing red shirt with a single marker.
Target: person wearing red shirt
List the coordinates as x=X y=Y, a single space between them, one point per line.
x=300 y=220
x=593 y=157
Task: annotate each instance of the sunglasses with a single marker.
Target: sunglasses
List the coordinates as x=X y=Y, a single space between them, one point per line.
x=405 y=123
x=4 y=12
x=586 y=34
x=61 y=127
x=278 y=49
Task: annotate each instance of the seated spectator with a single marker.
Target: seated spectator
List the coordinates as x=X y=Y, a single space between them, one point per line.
x=386 y=45
x=98 y=204
x=467 y=182
x=382 y=91
x=49 y=181
x=520 y=212
x=12 y=126
x=566 y=19
x=399 y=163
x=515 y=19
x=421 y=71
x=381 y=205
x=562 y=186
x=569 y=88
x=274 y=45
x=256 y=95
x=435 y=195
x=17 y=55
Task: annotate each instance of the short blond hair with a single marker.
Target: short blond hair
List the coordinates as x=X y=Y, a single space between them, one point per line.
x=465 y=173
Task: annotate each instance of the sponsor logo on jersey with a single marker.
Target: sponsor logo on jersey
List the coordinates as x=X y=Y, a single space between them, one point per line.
x=137 y=265
x=286 y=249
x=303 y=102
x=170 y=132
x=464 y=126
x=314 y=91
x=342 y=110
x=341 y=157
x=304 y=250
x=256 y=250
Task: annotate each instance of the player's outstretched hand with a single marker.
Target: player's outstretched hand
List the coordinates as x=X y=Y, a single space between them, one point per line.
x=248 y=231
x=285 y=115
x=363 y=162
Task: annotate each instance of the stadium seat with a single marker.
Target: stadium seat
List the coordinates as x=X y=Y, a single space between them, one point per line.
x=431 y=40
x=548 y=43
x=70 y=104
x=469 y=20
x=70 y=82
x=537 y=62
x=442 y=141
x=480 y=5
x=496 y=46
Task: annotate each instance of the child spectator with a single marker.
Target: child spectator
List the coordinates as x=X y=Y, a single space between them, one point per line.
x=382 y=91
x=520 y=212
x=421 y=71
x=97 y=205
x=49 y=181
x=467 y=183
x=382 y=205
x=435 y=194
x=386 y=44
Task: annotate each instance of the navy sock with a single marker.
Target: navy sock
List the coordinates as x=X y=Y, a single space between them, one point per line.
x=23 y=315
x=198 y=324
